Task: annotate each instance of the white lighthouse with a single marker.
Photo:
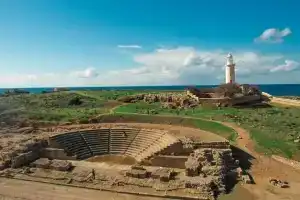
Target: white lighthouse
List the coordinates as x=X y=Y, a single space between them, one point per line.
x=230 y=70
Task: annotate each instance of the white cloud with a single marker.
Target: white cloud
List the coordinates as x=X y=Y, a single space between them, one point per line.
x=130 y=46
x=87 y=73
x=273 y=35
x=182 y=65
x=289 y=65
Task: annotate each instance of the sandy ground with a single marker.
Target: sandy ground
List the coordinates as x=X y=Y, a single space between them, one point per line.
x=11 y=189
x=262 y=169
x=286 y=102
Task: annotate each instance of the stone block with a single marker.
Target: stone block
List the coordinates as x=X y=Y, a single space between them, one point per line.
x=137 y=173
x=163 y=174
x=192 y=167
x=60 y=165
x=137 y=167
x=42 y=163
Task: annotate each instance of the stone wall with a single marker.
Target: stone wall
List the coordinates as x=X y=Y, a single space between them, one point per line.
x=53 y=153
x=24 y=159
x=28 y=152
x=53 y=143
x=175 y=149
x=213 y=145
x=214 y=100
x=169 y=161
x=245 y=99
x=210 y=163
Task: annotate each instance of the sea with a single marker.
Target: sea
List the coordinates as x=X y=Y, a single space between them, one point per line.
x=273 y=89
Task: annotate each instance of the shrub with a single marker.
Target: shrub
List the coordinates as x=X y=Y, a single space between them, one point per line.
x=127 y=99
x=75 y=101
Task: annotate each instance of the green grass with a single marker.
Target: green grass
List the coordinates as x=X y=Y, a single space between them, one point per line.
x=206 y=125
x=52 y=107
x=156 y=108
x=273 y=129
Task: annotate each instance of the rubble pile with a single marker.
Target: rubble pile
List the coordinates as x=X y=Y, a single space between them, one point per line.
x=187 y=143
x=211 y=165
x=22 y=154
x=229 y=94
x=278 y=183
x=171 y=100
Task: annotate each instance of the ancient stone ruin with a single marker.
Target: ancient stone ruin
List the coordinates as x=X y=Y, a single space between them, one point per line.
x=181 y=166
x=230 y=94
x=211 y=165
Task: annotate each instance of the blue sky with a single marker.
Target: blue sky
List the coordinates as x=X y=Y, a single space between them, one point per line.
x=149 y=42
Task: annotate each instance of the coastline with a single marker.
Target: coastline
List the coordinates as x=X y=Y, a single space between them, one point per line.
x=273 y=89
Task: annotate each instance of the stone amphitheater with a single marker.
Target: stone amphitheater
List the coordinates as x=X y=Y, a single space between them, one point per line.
x=167 y=162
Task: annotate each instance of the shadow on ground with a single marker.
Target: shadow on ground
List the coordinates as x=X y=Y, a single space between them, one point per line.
x=244 y=157
x=245 y=162
x=256 y=105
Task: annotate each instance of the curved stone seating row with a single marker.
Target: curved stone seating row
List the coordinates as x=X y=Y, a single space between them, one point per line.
x=97 y=141
x=160 y=144
x=121 y=139
x=74 y=143
x=137 y=143
x=142 y=141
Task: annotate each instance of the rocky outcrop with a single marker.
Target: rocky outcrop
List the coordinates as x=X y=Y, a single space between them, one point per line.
x=23 y=154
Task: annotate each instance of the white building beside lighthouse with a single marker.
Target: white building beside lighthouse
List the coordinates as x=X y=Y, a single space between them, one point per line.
x=230 y=70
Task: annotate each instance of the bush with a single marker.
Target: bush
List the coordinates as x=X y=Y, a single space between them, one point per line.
x=76 y=101
x=127 y=99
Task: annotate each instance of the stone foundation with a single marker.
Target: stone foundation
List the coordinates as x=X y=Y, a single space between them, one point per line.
x=137 y=173
x=41 y=163
x=58 y=165
x=162 y=174
x=169 y=161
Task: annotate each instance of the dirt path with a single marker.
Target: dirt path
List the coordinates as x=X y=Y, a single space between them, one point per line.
x=263 y=168
x=12 y=189
x=243 y=140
